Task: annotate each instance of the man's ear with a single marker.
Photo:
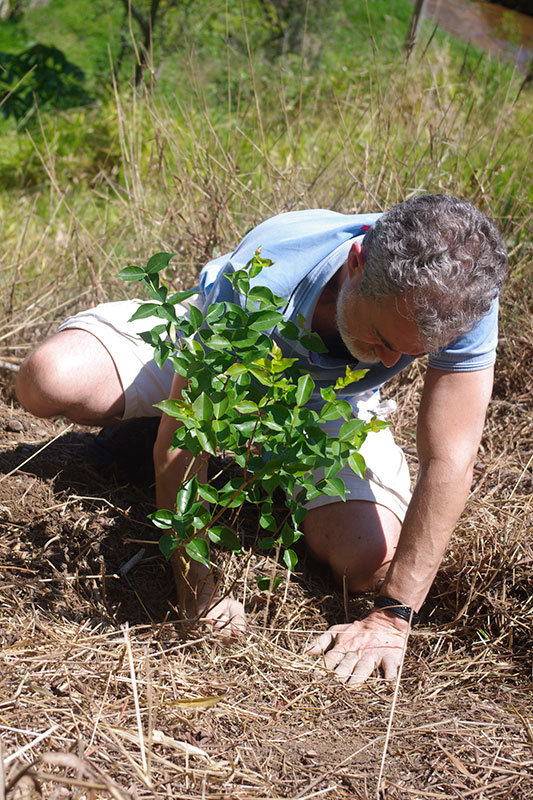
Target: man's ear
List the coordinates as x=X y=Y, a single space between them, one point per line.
x=355 y=261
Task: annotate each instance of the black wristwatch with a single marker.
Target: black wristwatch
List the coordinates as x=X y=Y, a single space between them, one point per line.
x=397 y=608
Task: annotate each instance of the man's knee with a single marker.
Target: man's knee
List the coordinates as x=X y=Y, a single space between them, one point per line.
x=357 y=539
x=40 y=381
x=72 y=375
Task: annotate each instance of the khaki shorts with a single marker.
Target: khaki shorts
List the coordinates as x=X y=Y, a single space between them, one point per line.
x=387 y=479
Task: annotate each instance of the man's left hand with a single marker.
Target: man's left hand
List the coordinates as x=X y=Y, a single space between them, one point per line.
x=353 y=651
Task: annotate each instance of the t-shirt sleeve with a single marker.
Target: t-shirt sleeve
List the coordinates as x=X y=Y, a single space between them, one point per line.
x=473 y=350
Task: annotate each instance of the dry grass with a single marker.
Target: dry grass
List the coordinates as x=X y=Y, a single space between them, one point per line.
x=103 y=694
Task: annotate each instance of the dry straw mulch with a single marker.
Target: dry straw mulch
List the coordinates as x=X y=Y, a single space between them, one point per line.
x=104 y=694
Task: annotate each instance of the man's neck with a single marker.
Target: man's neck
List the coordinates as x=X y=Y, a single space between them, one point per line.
x=324 y=320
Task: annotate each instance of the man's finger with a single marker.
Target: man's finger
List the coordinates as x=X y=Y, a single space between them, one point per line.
x=336 y=656
x=320 y=644
x=346 y=665
x=363 y=670
x=389 y=665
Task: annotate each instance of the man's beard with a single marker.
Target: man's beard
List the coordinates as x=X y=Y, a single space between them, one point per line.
x=355 y=347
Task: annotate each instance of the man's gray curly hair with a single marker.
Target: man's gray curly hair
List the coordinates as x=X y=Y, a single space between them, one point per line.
x=445 y=254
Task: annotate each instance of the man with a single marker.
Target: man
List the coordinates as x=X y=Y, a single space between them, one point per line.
x=380 y=290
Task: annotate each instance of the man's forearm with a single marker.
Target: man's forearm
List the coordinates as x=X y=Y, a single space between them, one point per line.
x=172 y=466
x=438 y=500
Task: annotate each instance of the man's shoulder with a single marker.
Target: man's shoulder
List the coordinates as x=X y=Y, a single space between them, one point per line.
x=312 y=219
x=473 y=350
x=297 y=242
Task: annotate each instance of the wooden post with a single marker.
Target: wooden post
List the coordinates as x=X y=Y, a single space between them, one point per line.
x=414 y=26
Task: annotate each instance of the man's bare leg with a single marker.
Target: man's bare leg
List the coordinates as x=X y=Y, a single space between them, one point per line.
x=357 y=539
x=72 y=375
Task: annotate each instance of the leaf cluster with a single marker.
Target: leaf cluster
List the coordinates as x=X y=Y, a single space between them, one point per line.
x=245 y=396
x=42 y=75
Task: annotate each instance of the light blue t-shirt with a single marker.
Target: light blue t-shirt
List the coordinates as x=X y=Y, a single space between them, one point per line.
x=307 y=248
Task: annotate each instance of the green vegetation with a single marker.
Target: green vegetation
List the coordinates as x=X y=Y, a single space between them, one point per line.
x=231 y=126
x=243 y=396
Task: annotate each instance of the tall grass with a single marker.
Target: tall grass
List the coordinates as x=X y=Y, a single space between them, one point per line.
x=91 y=190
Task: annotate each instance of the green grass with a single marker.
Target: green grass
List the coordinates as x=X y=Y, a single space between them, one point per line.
x=228 y=140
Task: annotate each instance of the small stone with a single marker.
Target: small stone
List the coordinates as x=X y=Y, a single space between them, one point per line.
x=15 y=425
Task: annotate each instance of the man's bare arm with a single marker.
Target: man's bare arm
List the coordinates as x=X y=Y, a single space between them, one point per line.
x=172 y=466
x=450 y=424
x=197 y=587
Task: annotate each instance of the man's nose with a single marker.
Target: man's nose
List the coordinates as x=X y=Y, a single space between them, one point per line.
x=387 y=357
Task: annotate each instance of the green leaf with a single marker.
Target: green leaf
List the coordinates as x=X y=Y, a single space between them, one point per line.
x=179 y=297
x=208 y=492
x=198 y=550
x=270 y=482
x=175 y=408
x=161 y=352
x=263 y=295
x=267 y=521
x=289 y=535
x=221 y=535
x=313 y=342
x=333 y=469
x=289 y=330
x=350 y=429
x=305 y=389
x=261 y=374
x=214 y=340
x=145 y=310
x=350 y=376
x=328 y=394
x=132 y=273
x=162 y=518
x=181 y=364
x=340 y=408
x=157 y=293
x=264 y=320
x=246 y=427
x=329 y=411
x=186 y=495
x=206 y=438
x=158 y=262
x=203 y=407
x=266 y=543
x=268 y=584
x=376 y=424
x=290 y=558
x=236 y=369
x=357 y=463
x=167 y=544
x=246 y=407
x=334 y=487
x=254 y=270
x=221 y=429
x=196 y=317
x=194 y=347
x=241 y=282
x=220 y=402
